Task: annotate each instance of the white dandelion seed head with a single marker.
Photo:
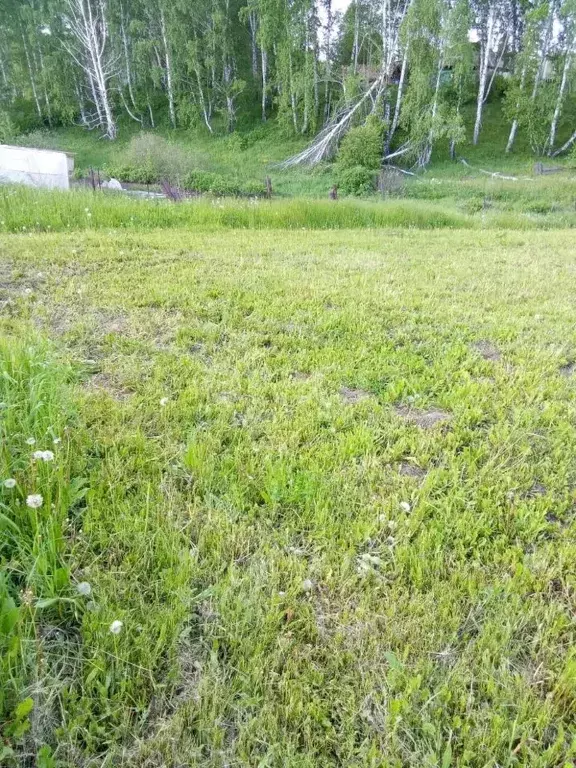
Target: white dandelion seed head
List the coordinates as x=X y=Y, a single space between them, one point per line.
x=116 y=627
x=31 y=441
x=163 y=401
x=34 y=501
x=84 y=588
x=9 y=483
x=28 y=291
x=405 y=506
x=43 y=456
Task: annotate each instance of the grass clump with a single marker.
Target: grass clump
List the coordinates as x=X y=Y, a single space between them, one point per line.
x=40 y=490
x=87 y=638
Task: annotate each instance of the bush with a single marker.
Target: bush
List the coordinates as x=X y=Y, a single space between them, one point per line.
x=150 y=158
x=216 y=184
x=362 y=146
x=356 y=181
x=38 y=139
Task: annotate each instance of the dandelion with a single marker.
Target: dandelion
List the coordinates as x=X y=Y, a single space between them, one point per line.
x=28 y=291
x=34 y=501
x=163 y=401
x=30 y=441
x=84 y=588
x=405 y=506
x=43 y=456
x=9 y=483
x=116 y=627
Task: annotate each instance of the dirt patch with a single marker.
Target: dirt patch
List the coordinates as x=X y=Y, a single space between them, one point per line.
x=353 y=396
x=487 y=350
x=536 y=490
x=423 y=419
x=411 y=470
x=568 y=370
x=104 y=382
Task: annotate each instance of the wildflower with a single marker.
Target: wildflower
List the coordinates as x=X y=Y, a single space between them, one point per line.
x=34 y=501
x=10 y=483
x=43 y=456
x=116 y=627
x=30 y=441
x=86 y=210
x=57 y=441
x=405 y=506
x=163 y=401
x=28 y=291
x=84 y=588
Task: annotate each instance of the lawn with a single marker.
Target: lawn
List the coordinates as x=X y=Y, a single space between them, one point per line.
x=321 y=486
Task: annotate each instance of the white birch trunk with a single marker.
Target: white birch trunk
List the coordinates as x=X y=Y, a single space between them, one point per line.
x=32 y=80
x=264 y=59
x=168 y=60
x=559 y=101
x=514 y=126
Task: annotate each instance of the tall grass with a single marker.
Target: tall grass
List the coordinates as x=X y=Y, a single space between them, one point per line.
x=39 y=607
x=28 y=210
x=23 y=209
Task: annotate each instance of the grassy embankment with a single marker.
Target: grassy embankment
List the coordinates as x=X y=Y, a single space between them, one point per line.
x=326 y=483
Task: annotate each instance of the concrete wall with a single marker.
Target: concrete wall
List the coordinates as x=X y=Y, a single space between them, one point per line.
x=34 y=167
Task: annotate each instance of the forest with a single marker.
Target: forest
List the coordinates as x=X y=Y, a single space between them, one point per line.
x=406 y=69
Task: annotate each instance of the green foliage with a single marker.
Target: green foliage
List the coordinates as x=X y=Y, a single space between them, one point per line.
x=221 y=186
x=7 y=128
x=150 y=158
x=356 y=180
x=362 y=146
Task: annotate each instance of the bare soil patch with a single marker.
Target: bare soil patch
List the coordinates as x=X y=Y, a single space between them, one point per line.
x=411 y=470
x=487 y=350
x=423 y=419
x=353 y=396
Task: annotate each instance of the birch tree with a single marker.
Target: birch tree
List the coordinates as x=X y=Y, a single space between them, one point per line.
x=88 y=45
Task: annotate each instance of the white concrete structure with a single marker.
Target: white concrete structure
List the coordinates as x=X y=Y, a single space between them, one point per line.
x=35 y=167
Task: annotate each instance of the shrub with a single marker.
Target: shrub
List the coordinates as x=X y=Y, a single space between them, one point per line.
x=216 y=184
x=362 y=146
x=150 y=158
x=356 y=181
x=38 y=139
x=253 y=188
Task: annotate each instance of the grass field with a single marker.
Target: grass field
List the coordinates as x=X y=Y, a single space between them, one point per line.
x=325 y=481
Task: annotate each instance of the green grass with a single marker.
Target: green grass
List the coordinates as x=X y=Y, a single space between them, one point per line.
x=307 y=575
x=26 y=210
